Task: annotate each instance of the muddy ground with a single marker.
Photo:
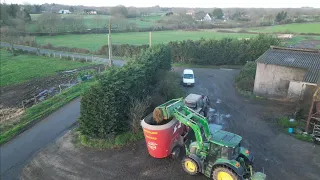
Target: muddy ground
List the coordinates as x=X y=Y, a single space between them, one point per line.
x=313 y=44
x=12 y=96
x=279 y=155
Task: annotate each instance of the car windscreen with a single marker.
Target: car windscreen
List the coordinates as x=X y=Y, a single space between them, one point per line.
x=188 y=76
x=190 y=105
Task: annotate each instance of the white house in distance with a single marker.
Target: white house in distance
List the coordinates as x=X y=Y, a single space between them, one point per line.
x=64 y=11
x=90 y=11
x=207 y=17
x=190 y=12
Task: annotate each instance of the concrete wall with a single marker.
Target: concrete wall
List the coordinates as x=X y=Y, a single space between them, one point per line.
x=273 y=81
x=307 y=96
x=296 y=90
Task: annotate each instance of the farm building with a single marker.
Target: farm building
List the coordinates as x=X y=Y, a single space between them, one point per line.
x=169 y=14
x=64 y=11
x=287 y=74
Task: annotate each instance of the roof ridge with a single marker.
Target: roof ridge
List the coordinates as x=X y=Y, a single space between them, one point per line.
x=296 y=49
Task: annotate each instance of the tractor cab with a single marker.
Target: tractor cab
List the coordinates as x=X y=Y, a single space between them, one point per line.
x=229 y=144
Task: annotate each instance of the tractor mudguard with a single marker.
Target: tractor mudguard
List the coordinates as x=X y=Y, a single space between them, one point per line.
x=240 y=170
x=198 y=160
x=248 y=157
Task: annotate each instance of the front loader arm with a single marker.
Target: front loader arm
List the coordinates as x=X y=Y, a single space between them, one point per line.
x=176 y=108
x=196 y=129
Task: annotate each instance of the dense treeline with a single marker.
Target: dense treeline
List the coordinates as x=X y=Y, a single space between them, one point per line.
x=13 y=15
x=105 y=107
x=55 y=23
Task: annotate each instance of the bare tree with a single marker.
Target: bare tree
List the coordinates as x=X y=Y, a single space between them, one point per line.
x=98 y=21
x=119 y=11
x=49 y=22
x=137 y=111
x=74 y=23
x=9 y=35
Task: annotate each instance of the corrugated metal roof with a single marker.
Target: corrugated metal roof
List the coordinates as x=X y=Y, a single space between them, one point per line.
x=299 y=58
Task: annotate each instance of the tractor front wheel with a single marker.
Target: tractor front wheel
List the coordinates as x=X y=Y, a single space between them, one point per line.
x=224 y=173
x=190 y=166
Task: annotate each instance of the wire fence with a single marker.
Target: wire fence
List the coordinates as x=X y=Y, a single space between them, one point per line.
x=55 y=54
x=76 y=57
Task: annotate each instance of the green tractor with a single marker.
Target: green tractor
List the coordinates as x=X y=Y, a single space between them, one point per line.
x=217 y=155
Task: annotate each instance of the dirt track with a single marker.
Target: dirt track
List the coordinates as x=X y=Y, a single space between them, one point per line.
x=313 y=44
x=281 y=156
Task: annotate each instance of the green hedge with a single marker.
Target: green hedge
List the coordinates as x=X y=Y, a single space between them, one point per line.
x=123 y=50
x=206 y=51
x=245 y=79
x=221 y=52
x=105 y=107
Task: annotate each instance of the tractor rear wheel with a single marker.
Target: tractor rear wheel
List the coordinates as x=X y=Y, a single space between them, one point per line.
x=224 y=173
x=190 y=166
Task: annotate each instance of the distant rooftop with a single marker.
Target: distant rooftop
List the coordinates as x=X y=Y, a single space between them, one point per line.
x=308 y=59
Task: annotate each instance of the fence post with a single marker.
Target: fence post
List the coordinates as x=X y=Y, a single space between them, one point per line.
x=60 y=88
x=3 y=115
x=23 y=105
x=35 y=100
x=73 y=58
x=60 y=56
x=86 y=59
x=54 y=55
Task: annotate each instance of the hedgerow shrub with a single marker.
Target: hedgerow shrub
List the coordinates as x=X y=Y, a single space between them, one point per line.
x=245 y=79
x=105 y=107
x=123 y=50
x=221 y=52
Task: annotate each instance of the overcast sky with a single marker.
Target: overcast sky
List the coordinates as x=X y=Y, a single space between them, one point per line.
x=181 y=3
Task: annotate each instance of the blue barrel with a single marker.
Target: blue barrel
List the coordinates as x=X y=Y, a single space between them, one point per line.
x=290 y=130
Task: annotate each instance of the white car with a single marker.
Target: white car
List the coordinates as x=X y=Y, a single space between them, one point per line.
x=188 y=78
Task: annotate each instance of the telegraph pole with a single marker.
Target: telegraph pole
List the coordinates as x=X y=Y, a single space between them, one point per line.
x=109 y=44
x=150 y=39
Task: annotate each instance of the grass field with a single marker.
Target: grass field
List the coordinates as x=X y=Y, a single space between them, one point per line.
x=146 y=21
x=95 y=41
x=290 y=28
x=21 y=68
x=100 y=21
